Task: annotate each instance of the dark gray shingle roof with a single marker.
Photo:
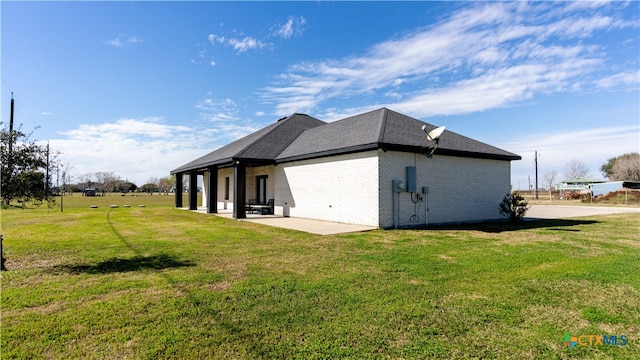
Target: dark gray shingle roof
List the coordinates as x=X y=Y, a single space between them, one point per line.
x=387 y=129
x=356 y=133
x=303 y=137
x=407 y=131
x=263 y=145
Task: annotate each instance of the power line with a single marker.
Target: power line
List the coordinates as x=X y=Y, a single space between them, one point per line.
x=35 y=125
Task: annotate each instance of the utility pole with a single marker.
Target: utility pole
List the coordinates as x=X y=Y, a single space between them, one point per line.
x=11 y=129
x=2 y=259
x=536 y=161
x=46 y=176
x=64 y=188
x=10 y=148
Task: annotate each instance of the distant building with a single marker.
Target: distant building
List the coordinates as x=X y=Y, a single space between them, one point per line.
x=610 y=186
x=368 y=169
x=89 y=192
x=578 y=184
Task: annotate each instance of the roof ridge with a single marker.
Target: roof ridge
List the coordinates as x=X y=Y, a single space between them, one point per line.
x=383 y=125
x=277 y=124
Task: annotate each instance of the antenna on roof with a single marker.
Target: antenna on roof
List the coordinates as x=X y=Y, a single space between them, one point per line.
x=433 y=136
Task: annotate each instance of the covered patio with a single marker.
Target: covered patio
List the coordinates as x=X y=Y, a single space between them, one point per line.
x=254 y=154
x=240 y=202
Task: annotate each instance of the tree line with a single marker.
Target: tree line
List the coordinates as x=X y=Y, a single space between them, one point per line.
x=108 y=182
x=31 y=172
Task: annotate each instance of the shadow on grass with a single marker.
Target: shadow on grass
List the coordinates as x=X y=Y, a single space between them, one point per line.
x=137 y=263
x=498 y=227
x=196 y=302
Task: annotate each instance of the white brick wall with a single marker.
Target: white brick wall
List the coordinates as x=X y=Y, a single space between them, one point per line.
x=252 y=172
x=205 y=188
x=223 y=173
x=357 y=188
x=342 y=188
x=460 y=189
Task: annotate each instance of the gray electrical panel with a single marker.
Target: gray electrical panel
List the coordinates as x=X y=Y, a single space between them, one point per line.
x=411 y=179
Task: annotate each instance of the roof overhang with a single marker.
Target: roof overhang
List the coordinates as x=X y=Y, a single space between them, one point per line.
x=401 y=148
x=224 y=163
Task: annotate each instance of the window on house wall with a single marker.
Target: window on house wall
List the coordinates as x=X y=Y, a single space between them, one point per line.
x=261 y=189
x=226 y=188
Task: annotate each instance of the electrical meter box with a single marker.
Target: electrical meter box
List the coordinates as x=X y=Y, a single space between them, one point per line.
x=411 y=179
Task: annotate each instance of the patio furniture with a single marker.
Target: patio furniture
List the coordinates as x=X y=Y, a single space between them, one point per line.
x=254 y=207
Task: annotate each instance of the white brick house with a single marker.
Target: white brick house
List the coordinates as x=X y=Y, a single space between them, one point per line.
x=345 y=171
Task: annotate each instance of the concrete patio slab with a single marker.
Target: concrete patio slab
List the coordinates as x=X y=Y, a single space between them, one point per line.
x=307 y=225
x=311 y=226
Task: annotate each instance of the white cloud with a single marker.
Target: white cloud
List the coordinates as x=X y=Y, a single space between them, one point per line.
x=240 y=44
x=293 y=26
x=485 y=56
x=578 y=5
x=246 y=44
x=218 y=110
x=123 y=41
x=623 y=78
x=134 y=149
x=213 y=39
x=223 y=113
x=148 y=127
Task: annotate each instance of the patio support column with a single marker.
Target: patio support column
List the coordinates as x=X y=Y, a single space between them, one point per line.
x=193 y=190
x=212 y=194
x=239 y=189
x=179 y=190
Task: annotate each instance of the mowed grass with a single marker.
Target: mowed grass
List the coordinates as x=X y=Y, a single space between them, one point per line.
x=155 y=282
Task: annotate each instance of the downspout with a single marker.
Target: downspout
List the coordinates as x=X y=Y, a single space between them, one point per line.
x=426 y=210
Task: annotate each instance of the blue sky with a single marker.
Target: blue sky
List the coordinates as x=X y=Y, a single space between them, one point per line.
x=140 y=88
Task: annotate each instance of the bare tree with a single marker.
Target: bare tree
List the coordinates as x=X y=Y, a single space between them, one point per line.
x=63 y=176
x=107 y=180
x=626 y=168
x=575 y=169
x=153 y=180
x=86 y=180
x=167 y=183
x=549 y=178
x=152 y=185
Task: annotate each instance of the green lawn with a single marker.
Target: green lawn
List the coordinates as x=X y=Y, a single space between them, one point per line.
x=156 y=282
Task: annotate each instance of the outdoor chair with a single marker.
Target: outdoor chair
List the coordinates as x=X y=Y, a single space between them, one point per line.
x=249 y=206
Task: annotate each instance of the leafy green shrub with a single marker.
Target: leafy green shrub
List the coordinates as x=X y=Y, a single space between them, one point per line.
x=514 y=206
